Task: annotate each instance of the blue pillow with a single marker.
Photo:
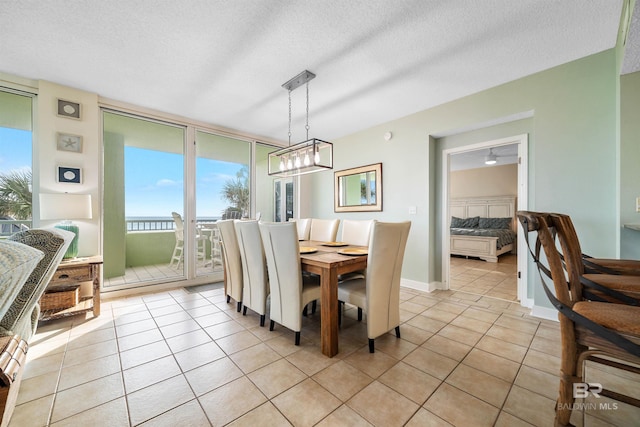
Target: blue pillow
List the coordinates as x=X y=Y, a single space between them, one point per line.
x=495 y=223
x=471 y=222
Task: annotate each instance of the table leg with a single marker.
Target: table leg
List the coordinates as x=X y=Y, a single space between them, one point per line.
x=95 y=272
x=329 y=312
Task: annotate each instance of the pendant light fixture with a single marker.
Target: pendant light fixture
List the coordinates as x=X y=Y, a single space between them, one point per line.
x=312 y=155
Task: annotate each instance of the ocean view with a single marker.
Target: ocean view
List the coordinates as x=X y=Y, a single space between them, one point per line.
x=149 y=223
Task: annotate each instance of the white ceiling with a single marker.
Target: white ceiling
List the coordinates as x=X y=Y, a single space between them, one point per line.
x=224 y=62
x=506 y=155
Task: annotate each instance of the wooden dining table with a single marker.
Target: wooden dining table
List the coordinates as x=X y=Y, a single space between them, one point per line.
x=327 y=263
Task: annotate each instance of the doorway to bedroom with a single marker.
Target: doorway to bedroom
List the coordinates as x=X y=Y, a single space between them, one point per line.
x=484 y=186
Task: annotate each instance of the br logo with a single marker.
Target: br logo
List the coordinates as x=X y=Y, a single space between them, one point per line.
x=582 y=390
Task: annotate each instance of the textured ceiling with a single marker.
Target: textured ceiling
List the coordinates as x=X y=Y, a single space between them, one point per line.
x=631 y=61
x=224 y=62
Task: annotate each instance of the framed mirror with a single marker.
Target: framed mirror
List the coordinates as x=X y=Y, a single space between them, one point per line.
x=358 y=189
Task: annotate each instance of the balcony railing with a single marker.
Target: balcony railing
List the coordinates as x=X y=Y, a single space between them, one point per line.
x=10 y=226
x=159 y=224
x=150 y=224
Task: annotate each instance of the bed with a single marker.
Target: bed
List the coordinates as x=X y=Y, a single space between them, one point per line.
x=482 y=227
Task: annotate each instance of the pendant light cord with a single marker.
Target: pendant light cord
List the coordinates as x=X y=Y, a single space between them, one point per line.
x=289 y=117
x=307 y=125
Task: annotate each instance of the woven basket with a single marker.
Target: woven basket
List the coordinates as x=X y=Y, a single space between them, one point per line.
x=60 y=298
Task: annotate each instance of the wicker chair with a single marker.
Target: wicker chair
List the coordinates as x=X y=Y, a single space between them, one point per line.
x=601 y=332
x=21 y=288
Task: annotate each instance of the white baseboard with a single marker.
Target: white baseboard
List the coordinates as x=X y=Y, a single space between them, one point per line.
x=414 y=284
x=544 y=313
x=434 y=286
x=528 y=302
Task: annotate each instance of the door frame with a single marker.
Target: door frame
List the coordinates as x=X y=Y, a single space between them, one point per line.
x=522 y=203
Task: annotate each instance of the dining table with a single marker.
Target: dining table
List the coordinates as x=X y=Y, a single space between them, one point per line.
x=326 y=260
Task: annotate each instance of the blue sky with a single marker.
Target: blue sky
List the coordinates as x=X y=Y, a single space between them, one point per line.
x=15 y=149
x=154 y=183
x=154 y=180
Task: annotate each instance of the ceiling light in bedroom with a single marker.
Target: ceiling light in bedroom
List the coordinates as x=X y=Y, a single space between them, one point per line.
x=491 y=159
x=312 y=155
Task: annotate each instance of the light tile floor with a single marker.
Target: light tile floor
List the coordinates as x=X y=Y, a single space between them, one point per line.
x=155 y=272
x=492 y=279
x=181 y=359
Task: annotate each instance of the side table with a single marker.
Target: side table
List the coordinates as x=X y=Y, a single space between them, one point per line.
x=82 y=269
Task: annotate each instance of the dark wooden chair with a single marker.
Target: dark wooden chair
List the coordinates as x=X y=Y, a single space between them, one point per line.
x=601 y=332
x=605 y=280
x=627 y=267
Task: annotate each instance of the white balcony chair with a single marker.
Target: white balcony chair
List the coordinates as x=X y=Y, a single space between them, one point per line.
x=378 y=294
x=254 y=268
x=216 y=248
x=289 y=293
x=178 y=249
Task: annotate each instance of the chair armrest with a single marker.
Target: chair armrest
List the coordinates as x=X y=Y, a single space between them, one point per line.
x=13 y=354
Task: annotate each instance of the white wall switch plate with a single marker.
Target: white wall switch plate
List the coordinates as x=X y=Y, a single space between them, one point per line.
x=413 y=210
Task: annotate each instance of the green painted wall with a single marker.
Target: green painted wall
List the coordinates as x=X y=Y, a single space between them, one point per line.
x=149 y=247
x=572 y=165
x=15 y=111
x=629 y=170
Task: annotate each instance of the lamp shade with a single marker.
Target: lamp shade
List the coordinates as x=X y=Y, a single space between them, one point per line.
x=65 y=206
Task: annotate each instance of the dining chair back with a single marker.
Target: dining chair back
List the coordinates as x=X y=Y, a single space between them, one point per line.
x=232 y=262
x=378 y=294
x=601 y=332
x=254 y=268
x=324 y=230
x=303 y=226
x=289 y=294
x=356 y=232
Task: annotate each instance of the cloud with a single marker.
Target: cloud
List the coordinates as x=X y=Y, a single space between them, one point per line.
x=218 y=177
x=166 y=183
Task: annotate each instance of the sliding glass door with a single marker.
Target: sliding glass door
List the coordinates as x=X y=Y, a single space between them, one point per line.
x=16 y=132
x=222 y=190
x=146 y=238
x=165 y=187
x=275 y=199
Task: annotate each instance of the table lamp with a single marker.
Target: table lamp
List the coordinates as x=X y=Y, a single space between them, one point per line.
x=66 y=207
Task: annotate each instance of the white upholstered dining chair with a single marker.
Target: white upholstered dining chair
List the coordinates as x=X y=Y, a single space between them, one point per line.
x=289 y=293
x=324 y=230
x=356 y=232
x=254 y=268
x=232 y=262
x=378 y=294
x=303 y=225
